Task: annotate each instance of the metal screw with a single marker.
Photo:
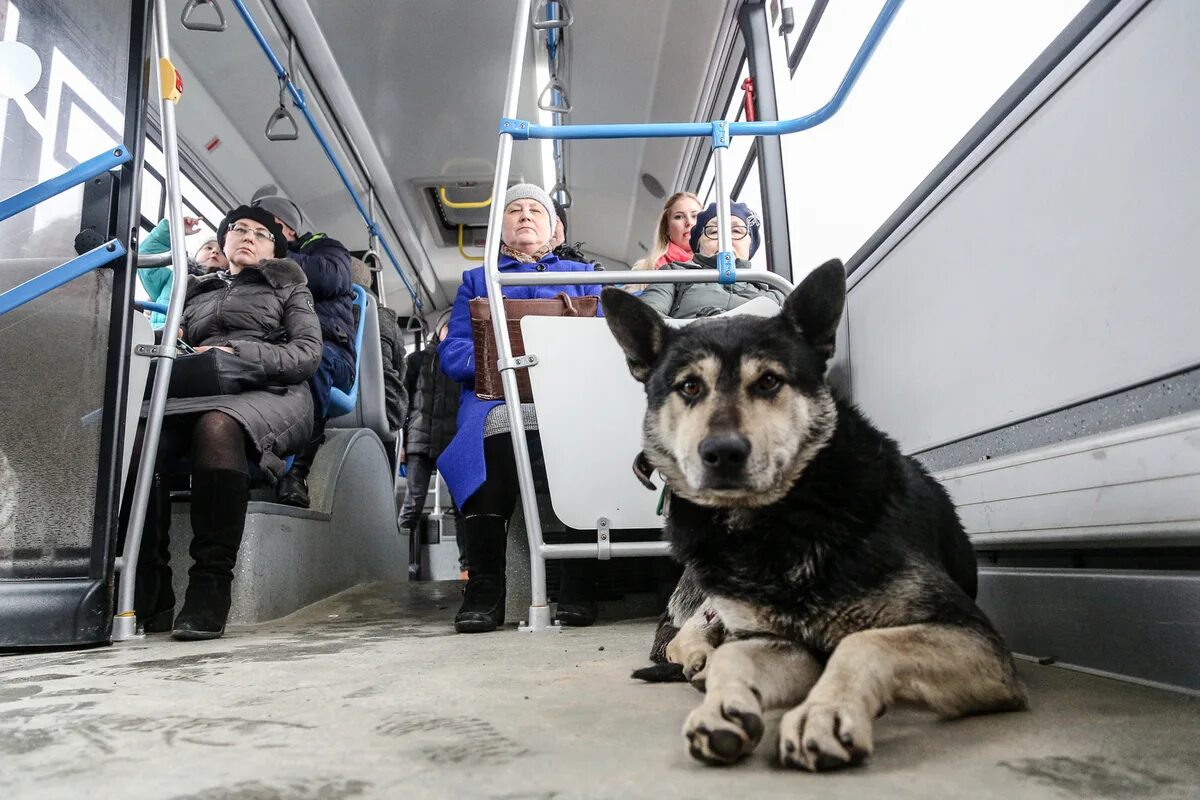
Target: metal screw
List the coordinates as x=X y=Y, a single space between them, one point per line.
x=117 y=152
x=111 y=247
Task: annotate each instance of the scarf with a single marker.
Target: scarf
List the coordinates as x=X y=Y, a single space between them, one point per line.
x=522 y=258
x=674 y=253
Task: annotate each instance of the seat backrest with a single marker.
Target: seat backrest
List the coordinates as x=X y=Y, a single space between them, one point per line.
x=589 y=411
x=364 y=406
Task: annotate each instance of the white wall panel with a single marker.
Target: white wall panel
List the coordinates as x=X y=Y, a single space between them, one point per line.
x=1064 y=268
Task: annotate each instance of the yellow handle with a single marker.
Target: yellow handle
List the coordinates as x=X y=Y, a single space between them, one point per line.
x=170 y=82
x=449 y=204
x=462 y=252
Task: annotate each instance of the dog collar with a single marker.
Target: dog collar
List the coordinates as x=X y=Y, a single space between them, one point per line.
x=643 y=471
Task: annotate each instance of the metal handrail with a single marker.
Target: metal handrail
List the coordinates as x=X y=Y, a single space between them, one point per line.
x=448 y=203
x=125 y=616
x=521 y=129
x=512 y=129
x=80 y=173
x=54 y=278
x=302 y=104
x=461 y=251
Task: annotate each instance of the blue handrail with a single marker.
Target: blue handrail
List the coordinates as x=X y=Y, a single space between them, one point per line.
x=343 y=402
x=146 y=305
x=78 y=174
x=521 y=129
x=302 y=104
x=52 y=279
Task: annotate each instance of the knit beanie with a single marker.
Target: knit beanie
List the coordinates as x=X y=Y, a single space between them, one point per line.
x=269 y=198
x=259 y=215
x=527 y=191
x=739 y=210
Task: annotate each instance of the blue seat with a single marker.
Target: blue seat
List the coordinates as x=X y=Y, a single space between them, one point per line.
x=343 y=402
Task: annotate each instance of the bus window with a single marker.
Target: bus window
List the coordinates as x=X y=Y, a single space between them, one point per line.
x=941 y=66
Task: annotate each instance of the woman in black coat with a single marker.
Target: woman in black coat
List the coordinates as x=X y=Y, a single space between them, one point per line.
x=262 y=311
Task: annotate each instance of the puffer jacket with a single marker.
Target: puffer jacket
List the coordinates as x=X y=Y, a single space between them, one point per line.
x=391 y=345
x=326 y=264
x=692 y=300
x=264 y=313
x=157 y=281
x=434 y=417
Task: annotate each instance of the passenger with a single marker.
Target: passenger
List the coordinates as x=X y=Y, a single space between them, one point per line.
x=671 y=235
x=391 y=347
x=431 y=424
x=479 y=469
x=260 y=310
x=688 y=301
x=157 y=281
x=326 y=263
x=570 y=252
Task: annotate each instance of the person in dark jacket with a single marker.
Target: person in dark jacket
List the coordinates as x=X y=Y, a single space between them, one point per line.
x=562 y=248
x=261 y=311
x=326 y=264
x=431 y=425
x=391 y=347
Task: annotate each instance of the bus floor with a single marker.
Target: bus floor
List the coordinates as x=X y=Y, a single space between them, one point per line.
x=371 y=694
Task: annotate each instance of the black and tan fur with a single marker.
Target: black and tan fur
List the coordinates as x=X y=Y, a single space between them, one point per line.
x=826 y=572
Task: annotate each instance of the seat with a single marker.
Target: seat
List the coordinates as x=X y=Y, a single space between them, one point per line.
x=364 y=405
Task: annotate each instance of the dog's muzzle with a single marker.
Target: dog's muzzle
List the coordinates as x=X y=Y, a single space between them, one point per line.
x=724 y=456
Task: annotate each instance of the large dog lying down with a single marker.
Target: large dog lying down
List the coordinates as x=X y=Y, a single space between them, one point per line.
x=826 y=572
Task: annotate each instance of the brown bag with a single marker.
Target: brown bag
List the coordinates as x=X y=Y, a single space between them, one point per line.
x=487 y=376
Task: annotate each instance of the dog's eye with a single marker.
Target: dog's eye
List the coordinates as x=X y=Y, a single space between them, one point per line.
x=769 y=382
x=690 y=387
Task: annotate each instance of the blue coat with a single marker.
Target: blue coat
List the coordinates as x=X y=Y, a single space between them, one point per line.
x=461 y=463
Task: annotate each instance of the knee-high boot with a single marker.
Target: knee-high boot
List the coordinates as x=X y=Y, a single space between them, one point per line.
x=154 y=597
x=483 y=598
x=219 y=499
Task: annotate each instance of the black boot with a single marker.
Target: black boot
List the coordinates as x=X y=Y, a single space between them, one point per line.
x=483 y=598
x=219 y=500
x=292 y=489
x=577 y=597
x=154 y=596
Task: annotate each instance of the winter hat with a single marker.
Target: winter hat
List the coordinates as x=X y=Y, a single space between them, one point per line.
x=360 y=273
x=259 y=215
x=740 y=210
x=561 y=215
x=527 y=191
x=280 y=205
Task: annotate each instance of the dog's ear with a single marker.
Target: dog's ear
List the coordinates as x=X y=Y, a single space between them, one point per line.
x=815 y=306
x=637 y=328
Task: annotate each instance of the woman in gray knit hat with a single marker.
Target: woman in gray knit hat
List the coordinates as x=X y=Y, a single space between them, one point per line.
x=480 y=472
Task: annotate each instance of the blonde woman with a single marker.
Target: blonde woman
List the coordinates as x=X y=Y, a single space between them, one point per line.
x=672 y=234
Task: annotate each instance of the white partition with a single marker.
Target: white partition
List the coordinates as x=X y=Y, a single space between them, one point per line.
x=1063 y=268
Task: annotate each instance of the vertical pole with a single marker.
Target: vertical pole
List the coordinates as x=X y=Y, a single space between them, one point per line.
x=373 y=246
x=725 y=260
x=539 y=609
x=125 y=621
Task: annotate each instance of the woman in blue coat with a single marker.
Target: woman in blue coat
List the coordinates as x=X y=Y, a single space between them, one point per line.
x=480 y=471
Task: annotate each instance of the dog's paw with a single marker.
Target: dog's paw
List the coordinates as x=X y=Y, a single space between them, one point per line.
x=726 y=729
x=822 y=736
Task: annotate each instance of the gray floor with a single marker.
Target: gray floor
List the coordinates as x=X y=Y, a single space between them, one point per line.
x=369 y=694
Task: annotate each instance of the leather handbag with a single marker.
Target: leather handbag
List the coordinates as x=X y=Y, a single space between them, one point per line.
x=488 y=385
x=213 y=372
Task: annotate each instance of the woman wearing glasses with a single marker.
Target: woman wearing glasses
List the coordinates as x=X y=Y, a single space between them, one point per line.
x=260 y=310
x=688 y=301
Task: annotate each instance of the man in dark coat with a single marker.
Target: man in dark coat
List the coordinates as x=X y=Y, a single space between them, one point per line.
x=432 y=422
x=326 y=264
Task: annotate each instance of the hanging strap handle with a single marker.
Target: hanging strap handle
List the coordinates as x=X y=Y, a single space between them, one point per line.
x=564 y=194
x=542 y=20
x=281 y=114
x=203 y=25
x=546 y=101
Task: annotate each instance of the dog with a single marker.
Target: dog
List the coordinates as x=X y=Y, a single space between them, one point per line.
x=825 y=572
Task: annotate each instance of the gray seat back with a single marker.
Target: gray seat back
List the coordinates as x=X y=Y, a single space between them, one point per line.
x=370 y=410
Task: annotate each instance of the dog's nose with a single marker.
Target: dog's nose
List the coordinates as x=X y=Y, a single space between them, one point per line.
x=726 y=453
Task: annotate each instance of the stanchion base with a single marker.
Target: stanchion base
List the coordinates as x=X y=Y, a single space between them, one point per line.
x=539 y=621
x=126 y=629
